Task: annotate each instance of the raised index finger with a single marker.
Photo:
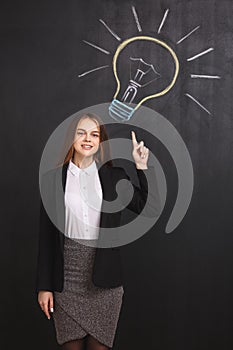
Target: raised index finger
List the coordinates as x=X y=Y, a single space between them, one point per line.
x=134 y=140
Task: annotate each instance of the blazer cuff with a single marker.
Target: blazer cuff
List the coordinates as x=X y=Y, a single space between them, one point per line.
x=149 y=168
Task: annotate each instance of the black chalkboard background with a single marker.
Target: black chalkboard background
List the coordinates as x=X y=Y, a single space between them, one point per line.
x=179 y=292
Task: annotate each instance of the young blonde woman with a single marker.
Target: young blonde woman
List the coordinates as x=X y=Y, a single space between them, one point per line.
x=81 y=285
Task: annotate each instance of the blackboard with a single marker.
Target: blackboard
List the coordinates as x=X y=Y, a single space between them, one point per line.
x=179 y=285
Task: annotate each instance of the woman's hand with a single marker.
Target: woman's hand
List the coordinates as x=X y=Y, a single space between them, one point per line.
x=140 y=153
x=45 y=299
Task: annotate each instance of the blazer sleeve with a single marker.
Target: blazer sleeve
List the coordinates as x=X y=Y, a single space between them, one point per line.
x=149 y=200
x=46 y=246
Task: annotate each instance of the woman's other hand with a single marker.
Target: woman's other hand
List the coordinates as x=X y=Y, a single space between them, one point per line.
x=45 y=299
x=140 y=153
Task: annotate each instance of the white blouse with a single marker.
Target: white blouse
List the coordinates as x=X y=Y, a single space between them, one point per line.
x=83 y=199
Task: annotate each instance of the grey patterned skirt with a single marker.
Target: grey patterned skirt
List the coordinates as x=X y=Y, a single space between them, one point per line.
x=83 y=308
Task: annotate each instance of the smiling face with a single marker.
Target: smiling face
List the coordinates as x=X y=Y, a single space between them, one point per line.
x=87 y=138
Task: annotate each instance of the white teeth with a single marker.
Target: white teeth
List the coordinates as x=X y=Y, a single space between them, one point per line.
x=87 y=147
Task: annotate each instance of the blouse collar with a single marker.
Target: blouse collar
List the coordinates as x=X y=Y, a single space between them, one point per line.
x=75 y=170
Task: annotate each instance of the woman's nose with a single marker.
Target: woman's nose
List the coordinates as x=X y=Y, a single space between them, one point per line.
x=87 y=138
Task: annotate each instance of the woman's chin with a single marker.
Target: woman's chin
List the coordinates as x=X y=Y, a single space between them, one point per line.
x=87 y=153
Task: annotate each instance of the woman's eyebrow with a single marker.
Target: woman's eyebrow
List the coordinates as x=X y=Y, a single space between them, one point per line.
x=85 y=130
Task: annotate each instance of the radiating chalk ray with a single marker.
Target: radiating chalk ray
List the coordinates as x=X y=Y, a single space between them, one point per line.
x=200 y=54
x=186 y=36
x=199 y=104
x=205 y=76
x=92 y=70
x=97 y=47
x=163 y=20
x=136 y=19
x=110 y=30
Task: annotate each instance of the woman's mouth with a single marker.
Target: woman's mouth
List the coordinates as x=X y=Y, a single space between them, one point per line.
x=87 y=147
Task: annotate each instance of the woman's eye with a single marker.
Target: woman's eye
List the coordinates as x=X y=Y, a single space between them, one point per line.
x=80 y=133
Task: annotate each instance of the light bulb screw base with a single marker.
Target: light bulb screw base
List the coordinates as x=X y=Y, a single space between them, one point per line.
x=120 y=111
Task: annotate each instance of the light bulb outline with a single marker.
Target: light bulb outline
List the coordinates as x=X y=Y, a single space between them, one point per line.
x=157 y=41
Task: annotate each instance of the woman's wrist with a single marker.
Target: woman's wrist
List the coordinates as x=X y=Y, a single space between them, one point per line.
x=141 y=166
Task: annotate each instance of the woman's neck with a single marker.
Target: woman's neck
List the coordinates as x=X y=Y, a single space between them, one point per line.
x=82 y=162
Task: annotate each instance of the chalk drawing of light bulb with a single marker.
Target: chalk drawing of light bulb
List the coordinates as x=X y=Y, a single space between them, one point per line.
x=142 y=74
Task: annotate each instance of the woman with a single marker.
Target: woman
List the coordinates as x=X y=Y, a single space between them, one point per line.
x=82 y=285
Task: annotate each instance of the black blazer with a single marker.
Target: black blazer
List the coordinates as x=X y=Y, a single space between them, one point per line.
x=107 y=269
